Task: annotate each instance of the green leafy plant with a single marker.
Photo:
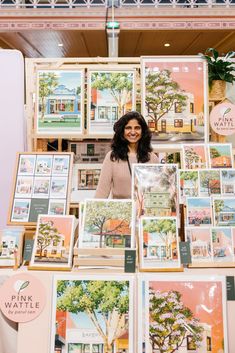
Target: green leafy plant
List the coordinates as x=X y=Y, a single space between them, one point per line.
x=219 y=68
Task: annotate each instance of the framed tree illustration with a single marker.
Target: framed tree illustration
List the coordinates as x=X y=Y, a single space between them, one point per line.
x=174 y=97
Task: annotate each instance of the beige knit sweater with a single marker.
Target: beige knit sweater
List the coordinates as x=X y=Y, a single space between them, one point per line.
x=115 y=177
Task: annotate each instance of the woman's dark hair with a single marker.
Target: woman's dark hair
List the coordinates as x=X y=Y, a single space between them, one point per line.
x=119 y=144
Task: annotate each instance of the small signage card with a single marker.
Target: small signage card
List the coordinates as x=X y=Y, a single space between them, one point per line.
x=230 y=288
x=130 y=261
x=28 y=248
x=23 y=297
x=185 y=253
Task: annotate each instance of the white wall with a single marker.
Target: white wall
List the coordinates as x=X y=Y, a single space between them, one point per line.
x=11 y=122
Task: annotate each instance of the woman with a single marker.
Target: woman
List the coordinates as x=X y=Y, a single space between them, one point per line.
x=130 y=144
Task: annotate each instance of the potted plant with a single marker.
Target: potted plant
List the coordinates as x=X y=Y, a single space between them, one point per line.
x=220 y=71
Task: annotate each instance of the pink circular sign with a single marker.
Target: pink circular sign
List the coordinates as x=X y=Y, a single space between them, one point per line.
x=23 y=297
x=222 y=119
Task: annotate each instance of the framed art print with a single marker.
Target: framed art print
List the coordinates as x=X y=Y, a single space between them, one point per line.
x=53 y=245
x=195 y=156
x=189 y=184
x=199 y=211
x=158 y=243
x=224 y=211
x=111 y=94
x=182 y=313
x=209 y=182
x=41 y=186
x=222 y=244
x=200 y=244
x=99 y=319
x=11 y=242
x=59 y=103
x=220 y=155
x=155 y=189
x=174 y=98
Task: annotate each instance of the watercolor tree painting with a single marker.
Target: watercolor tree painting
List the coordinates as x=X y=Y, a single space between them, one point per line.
x=98 y=306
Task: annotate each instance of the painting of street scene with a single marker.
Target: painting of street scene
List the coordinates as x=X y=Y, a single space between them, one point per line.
x=224 y=211
x=194 y=157
x=24 y=186
x=174 y=98
x=220 y=155
x=189 y=184
x=111 y=95
x=183 y=314
x=200 y=244
x=159 y=246
x=43 y=165
x=11 y=240
x=228 y=181
x=53 y=241
x=59 y=102
x=209 y=182
x=20 y=210
x=92 y=314
x=222 y=244
x=26 y=164
x=107 y=224
x=155 y=189
x=199 y=211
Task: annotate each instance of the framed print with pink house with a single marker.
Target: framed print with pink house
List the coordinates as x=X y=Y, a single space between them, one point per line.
x=174 y=98
x=195 y=156
x=182 y=314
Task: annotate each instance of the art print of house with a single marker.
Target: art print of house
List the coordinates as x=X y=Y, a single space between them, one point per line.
x=222 y=244
x=189 y=184
x=209 y=182
x=199 y=211
x=220 y=156
x=155 y=248
x=224 y=212
x=194 y=157
x=228 y=181
x=200 y=243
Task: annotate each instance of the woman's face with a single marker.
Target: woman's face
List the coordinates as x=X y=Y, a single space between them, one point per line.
x=133 y=131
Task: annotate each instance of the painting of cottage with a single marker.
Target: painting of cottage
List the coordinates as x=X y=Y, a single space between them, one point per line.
x=182 y=314
x=111 y=95
x=53 y=242
x=189 y=184
x=209 y=181
x=105 y=326
x=60 y=102
x=228 y=181
x=11 y=240
x=159 y=246
x=107 y=224
x=220 y=155
x=222 y=244
x=200 y=244
x=224 y=211
x=173 y=98
x=155 y=189
x=199 y=211
x=194 y=157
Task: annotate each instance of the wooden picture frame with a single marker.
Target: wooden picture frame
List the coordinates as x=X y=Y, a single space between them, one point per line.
x=59 y=109
x=11 y=246
x=181 y=115
x=200 y=301
x=102 y=327
x=42 y=183
x=159 y=244
x=53 y=244
x=107 y=102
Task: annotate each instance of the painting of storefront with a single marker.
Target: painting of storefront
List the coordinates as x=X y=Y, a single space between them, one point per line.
x=224 y=211
x=222 y=244
x=157 y=204
x=200 y=243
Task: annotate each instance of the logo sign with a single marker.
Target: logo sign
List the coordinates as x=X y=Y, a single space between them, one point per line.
x=222 y=119
x=22 y=297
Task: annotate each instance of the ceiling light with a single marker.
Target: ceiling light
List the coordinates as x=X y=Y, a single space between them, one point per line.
x=167 y=45
x=60 y=45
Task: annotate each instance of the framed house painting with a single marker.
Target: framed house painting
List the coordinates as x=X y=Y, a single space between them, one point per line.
x=189 y=184
x=199 y=211
x=220 y=155
x=228 y=182
x=174 y=98
x=60 y=103
x=41 y=186
x=11 y=242
x=224 y=211
x=85 y=180
x=92 y=151
x=209 y=182
x=222 y=245
x=158 y=244
x=195 y=156
x=200 y=245
x=182 y=313
x=54 y=240
x=111 y=94
x=155 y=189
x=99 y=320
